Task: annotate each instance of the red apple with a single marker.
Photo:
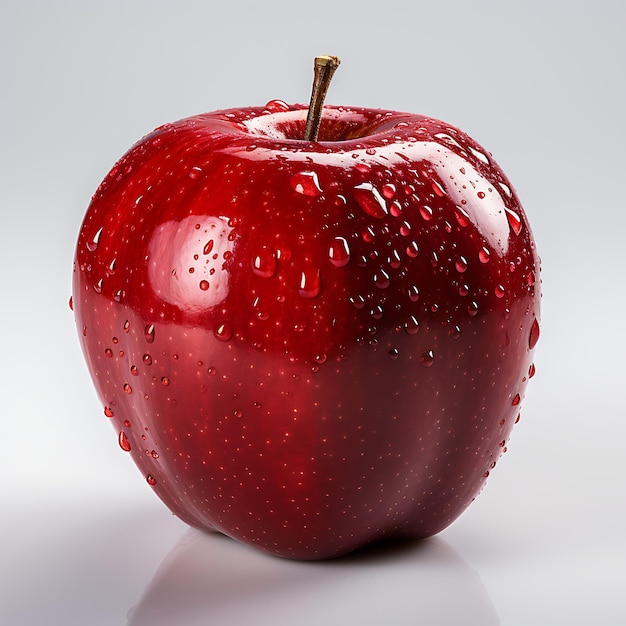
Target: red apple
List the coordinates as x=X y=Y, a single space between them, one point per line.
x=309 y=345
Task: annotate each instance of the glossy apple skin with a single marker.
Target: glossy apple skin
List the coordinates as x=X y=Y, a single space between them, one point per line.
x=309 y=346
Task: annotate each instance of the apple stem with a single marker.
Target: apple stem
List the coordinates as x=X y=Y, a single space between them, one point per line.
x=324 y=68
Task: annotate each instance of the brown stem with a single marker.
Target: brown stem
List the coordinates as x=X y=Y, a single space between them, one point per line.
x=324 y=68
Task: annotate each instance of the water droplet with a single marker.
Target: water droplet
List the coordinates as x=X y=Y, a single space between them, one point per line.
x=377 y=312
x=204 y=285
x=154 y=454
x=481 y=194
x=194 y=172
x=516 y=400
x=149 y=333
x=472 y=309
x=394 y=260
x=339 y=252
x=395 y=209
x=71 y=303
x=455 y=332
x=223 y=331
x=484 y=255
x=411 y=326
x=147 y=359
x=534 y=335
x=486 y=474
x=427 y=358
x=108 y=353
x=412 y=249
x=208 y=246
x=515 y=221
x=320 y=359
x=405 y=229
x=381 y=279
x=358 y=302
x=123 y=441
x=264 y=263
x=370 y=200
x=92 y=245
x=414 y=293
x=531 y=370
x=98 y=286
x=310 y=283
x=394 y=353
x=151 y=480
x=499 y=291
x=277 y=106
x=127 y=388
x=461 y=264
x=438 y=189
x=388 y=190
x=165 y=381
x=108 y=411
x=306 y=183
x=480 y=156
x=461 y=216
x=426 y=212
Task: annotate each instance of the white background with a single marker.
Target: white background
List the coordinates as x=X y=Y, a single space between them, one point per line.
x=539 y=84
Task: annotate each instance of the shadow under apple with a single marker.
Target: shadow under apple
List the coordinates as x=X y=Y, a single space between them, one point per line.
x=209 y=578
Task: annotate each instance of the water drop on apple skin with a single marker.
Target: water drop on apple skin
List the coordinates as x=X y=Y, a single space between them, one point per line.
x=382 y=279
x=370 y=200
x=339 y=252
x=461 y=265
x=515 y=221
x=306 y=183
x=149 y=333
x=223 y=331
x=264 y=263
x=534 y=335
x=122 y=439
x=94 y=242
x=427 y=359
x=310 y=283
x=277 y=106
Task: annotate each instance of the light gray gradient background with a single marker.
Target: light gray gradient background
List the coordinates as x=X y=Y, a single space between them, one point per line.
x=539 y=84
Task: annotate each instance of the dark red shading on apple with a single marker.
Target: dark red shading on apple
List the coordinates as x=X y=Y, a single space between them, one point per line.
x=309 y=346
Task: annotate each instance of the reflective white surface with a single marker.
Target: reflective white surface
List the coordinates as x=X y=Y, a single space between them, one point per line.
x=82 y=538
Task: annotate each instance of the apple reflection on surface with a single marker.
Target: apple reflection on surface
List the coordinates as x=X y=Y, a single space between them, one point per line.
x=208 y=578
